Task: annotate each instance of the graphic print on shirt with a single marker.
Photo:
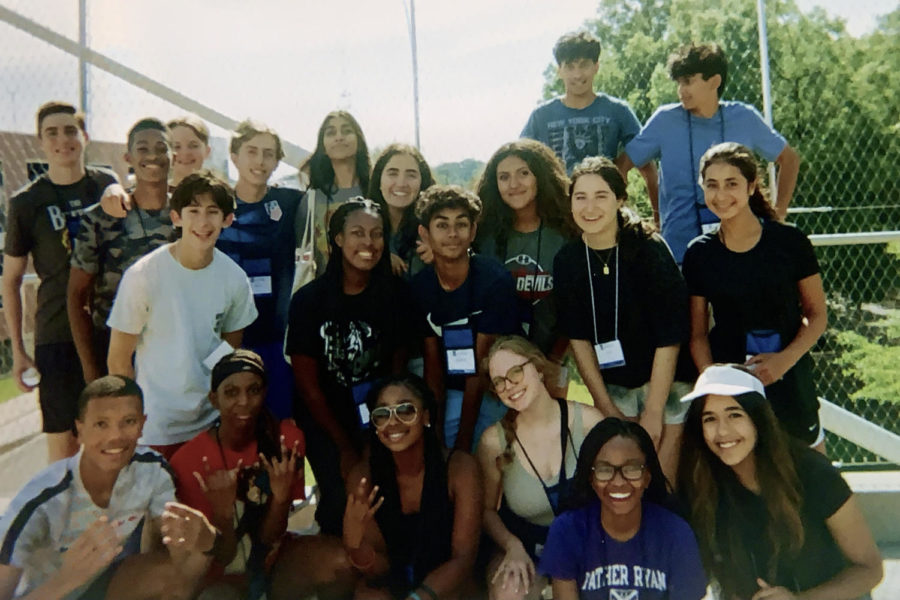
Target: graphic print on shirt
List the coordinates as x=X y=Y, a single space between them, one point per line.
x=624 y=583
x=66 y=221
x=350 y=350
x=575 y=138
x=533 y=282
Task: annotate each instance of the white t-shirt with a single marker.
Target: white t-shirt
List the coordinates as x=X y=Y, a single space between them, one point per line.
x=180 y=315
x=53 y=509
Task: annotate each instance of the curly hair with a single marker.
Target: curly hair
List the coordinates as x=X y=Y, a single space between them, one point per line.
x=705 y=59
x=441 y=197
x=575 y=45
x=552 y=184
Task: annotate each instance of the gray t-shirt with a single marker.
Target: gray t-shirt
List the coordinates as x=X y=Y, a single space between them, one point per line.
x=43 y=220
x=529 y=258
x=326 y=204
x=599 y=129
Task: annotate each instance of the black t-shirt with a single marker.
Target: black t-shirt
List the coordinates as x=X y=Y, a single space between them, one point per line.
x=487 y=298
x=653 y=309
x=823 y=492
x=753 y=290
x=353 y=338
x=262 y=241
x=43 y=220
x=757 y=291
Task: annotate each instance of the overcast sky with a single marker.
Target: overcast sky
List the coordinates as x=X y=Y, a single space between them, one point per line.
x=288 y=62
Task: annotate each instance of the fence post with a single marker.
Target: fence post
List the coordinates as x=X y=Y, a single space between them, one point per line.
x=766 y=84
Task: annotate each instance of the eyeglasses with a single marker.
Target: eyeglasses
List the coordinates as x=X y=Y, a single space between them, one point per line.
x=606 y=472
x=513 y=376
x=405 y=412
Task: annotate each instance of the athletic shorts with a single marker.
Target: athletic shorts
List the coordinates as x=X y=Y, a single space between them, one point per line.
x=61 y=384
x=631 y=401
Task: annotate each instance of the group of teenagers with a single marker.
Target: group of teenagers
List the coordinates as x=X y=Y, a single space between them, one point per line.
x=195 y=344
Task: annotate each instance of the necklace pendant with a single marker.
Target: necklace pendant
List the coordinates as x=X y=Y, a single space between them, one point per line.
x=606 y=269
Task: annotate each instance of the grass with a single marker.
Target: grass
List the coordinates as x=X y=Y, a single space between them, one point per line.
x=8 y=389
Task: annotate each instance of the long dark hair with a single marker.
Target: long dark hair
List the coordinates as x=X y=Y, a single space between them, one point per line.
x=498 y=218
x=434 y=506
x=318 y=165
x=409 y=225
x=709 y=488
x=632 y=229
x=742 y=159
x=334 y=270
x=658 y=491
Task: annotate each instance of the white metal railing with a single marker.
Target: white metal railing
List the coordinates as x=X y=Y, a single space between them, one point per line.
x=849 y=239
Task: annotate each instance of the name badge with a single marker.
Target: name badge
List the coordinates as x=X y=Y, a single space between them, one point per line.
x=459 y=345
x=222 y=350
x=761 y=341
x=261 y=284
x=709 y=227
x=609 y=354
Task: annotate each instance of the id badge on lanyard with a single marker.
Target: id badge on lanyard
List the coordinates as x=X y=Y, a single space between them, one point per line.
x=609 y=353
x=459 y=347
x=360 y=392
x=259 y=271
x=761 y=341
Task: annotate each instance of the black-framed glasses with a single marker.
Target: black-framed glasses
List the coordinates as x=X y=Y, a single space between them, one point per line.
x=513 y=376
x=405 y=412
x=606 y=472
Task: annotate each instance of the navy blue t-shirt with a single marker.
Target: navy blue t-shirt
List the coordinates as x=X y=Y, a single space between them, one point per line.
x=661 y=561
x=487 y=299
x=262 y=240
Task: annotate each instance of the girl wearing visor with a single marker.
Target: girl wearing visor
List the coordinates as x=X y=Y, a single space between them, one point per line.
x=774 y=519
x=413 y=517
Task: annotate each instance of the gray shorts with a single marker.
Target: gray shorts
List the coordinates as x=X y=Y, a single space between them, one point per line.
x=631 y=401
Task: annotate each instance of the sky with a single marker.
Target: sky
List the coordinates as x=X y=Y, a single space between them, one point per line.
x=289 y=62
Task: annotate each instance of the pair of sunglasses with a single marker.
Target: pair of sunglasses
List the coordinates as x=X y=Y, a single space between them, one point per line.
x=405 y=412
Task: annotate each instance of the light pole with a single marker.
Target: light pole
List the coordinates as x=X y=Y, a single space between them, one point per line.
x=411 y=24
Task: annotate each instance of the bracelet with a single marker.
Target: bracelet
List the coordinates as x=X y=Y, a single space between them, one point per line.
x=216 y=542
x=428 y=591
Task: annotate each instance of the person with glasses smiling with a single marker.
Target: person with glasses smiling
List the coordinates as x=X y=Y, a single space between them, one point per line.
x=413 y=520
x=528 y=459
x=619 y=539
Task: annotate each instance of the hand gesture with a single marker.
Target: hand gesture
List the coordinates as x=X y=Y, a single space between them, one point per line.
x=423 y=249
x=115 y=201
x=769 y=367
x=281 y=472
x=186 y=529
x=361 y=507
x=220 y=488
x=767 y=592
x=91 y=552
x=516 y=570
x=398 y=265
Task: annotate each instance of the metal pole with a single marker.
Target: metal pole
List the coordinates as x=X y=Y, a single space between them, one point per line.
x=766 y=84
x=82 y=63
x=415 y=66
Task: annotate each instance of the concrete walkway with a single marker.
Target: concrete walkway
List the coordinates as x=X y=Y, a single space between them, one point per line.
x=23 y=452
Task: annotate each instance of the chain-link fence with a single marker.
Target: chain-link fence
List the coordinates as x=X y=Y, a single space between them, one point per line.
x=834 y=99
